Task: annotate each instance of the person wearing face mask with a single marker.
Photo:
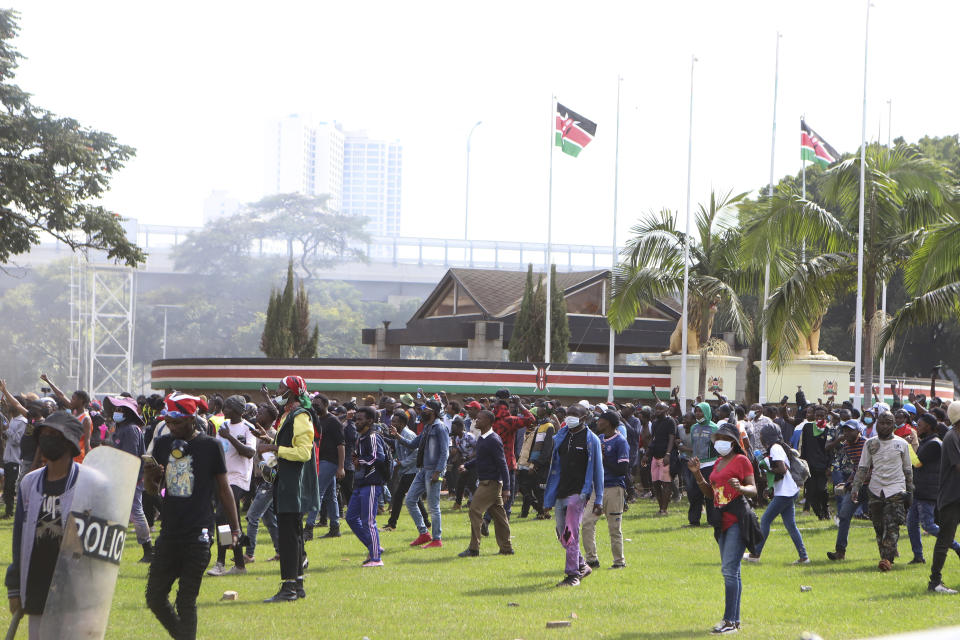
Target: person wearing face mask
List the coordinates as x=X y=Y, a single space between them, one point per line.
x=43 y=505
x=576 y=471
x=735 y=524
x=852 y=442
x=128 y=436
x=869 y=424
x=886 y=459
x=189 y=466
x=904 y=427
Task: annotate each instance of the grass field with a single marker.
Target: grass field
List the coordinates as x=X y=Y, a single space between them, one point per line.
x=671 y=588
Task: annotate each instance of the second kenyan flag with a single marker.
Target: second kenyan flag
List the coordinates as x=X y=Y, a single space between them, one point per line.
x=573 y=131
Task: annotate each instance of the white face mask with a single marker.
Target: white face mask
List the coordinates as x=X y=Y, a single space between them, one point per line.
x=751 y=415
x=572 y=422
x=723 y=447
x=280 y=400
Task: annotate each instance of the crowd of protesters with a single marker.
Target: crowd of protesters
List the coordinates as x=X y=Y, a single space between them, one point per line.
x=296 y=460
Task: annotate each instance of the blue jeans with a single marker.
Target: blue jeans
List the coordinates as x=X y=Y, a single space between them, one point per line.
x=420 y=487
x=781 y=506
x=327 y=481
x=921 y=514
x=362 y=518
x=138 y=518
x=262 y=507
x=731 y=553
x=845 y=515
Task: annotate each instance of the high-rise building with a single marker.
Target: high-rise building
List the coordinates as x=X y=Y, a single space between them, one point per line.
x=305 y=157
x=219 y=204
x=372 y=172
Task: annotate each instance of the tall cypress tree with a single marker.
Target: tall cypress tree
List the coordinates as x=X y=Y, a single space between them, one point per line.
x=559 y=324
x=519 y=341
x=275 y=340
x=304 y=344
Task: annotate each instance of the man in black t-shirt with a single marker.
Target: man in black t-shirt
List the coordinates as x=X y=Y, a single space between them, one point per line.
x=658 y=456
x=192 y=468
x=331 y=454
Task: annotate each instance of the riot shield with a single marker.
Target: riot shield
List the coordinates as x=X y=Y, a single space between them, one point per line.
x=78 y=604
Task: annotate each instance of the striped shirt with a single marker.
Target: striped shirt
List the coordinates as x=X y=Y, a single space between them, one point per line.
x=853 y=452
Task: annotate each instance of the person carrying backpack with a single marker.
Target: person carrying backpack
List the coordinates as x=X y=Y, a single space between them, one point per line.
x=785 y=490
x=853 y=442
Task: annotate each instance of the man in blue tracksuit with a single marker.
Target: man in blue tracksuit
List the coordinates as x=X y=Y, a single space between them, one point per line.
x=576 y=471
x=433 y=448
x=368 y=480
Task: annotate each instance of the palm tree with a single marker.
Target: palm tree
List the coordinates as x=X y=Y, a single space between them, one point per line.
x=905 y=192
x=652 y=268
x=932 y=276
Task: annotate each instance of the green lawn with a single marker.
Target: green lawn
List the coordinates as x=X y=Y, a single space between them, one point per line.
x=671 y=588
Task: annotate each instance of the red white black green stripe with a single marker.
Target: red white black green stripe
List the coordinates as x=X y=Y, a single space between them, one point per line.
x=813 y=148
x=573 y=131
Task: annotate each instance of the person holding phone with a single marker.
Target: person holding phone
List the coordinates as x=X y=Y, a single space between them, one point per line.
x=731 y=483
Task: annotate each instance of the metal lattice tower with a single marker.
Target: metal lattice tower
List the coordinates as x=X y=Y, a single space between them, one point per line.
x=76 y=324
x=112 y=298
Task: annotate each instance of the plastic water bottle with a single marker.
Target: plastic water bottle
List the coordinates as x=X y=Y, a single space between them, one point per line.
x=204 y=536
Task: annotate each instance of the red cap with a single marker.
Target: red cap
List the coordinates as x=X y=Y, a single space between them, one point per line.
x=474 y=405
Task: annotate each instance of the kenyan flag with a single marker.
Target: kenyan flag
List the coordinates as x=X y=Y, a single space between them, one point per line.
x=814 y=148
x=573 y=131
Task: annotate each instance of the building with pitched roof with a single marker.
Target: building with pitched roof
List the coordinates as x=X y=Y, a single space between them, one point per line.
x=476 y=309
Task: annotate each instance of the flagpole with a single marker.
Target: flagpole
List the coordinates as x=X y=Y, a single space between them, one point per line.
x=616 y=180
x=883 y=302
x=766 y=270
x=553 y=119
x=858 y=357
x=803 y=182
x=686 y=256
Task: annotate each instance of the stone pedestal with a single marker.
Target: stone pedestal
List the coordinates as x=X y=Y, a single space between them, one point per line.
x=721 y=373
x=818 y=378
x=380 y=350
x=486 y=343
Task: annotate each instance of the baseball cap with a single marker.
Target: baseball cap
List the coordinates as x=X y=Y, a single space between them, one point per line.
x=406 y=399
x=851 y=424
x=474 y=405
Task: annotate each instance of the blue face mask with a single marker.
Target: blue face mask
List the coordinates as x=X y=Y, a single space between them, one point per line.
x=868 y=420
x=118 y=417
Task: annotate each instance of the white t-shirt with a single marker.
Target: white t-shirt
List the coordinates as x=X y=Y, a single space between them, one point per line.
x=785 y=486
x=238 y=467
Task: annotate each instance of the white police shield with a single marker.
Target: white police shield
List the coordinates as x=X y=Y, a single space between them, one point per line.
x=78 y=604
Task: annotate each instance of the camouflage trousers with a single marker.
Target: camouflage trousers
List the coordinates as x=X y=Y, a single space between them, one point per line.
x=887 y=515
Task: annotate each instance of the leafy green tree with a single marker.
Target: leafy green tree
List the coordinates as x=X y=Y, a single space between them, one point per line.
x=315 y=236
x=559 y=324
x=905 y=193
x=50 y=170
x=652 y=268
x=520 y=348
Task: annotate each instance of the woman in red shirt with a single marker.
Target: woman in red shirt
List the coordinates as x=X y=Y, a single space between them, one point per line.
x=731 y=481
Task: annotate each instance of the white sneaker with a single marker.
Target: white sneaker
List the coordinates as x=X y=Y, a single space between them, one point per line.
x=217 y=571
x=236 y=571
x=800 y=561
x=726 y=627
x=942 y=588
x=751 y=558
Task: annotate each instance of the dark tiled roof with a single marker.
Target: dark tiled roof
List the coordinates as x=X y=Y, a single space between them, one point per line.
x=499 y=292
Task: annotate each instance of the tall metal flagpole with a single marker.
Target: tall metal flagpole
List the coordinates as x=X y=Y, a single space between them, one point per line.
x=883 y=302
x=553 y=120
x=686 y=256
x=466 y=190
x=766 y=270
x=616 y=180
x=858 y=351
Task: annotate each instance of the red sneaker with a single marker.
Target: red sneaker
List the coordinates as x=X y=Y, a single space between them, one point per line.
x=423 y=538
x=433 y=544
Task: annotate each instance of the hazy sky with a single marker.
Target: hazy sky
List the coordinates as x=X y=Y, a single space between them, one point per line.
x=192 y=84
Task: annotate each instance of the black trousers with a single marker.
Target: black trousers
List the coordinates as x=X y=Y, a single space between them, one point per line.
x=290 y=540
x=151 y=505
x=11 y=470
x=949 y=518
x=396 y=505
x=222 y=519
x=816 y=492
x=528 y=484
x=695 y=496
x=466 y=481
x=172 y=561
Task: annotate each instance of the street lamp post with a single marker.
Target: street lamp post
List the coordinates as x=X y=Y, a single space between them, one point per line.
x=466 y=206
x=165 y=307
